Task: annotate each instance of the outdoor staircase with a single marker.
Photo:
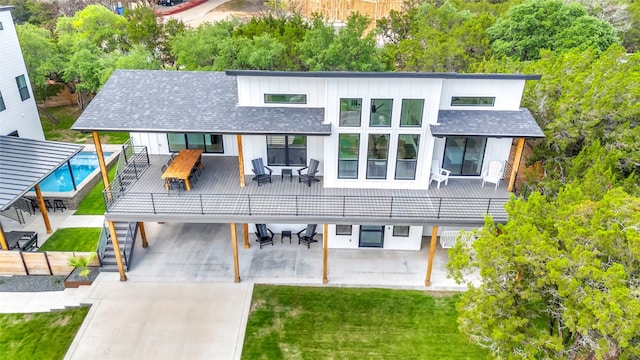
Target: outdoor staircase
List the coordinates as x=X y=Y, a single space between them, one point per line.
x=126 y=233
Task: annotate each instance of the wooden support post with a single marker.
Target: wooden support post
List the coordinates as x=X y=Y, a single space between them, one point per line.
x=143 y=234
x=103 y=165
x=43 y=209
x=116 y=249
x=325 y=252
x=234 y=243
x=516 y=164
x=432 y=252
x=3 y=240
x=246 y=236
x=240 y=160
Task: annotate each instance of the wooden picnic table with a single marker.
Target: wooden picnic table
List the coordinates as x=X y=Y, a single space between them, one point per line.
x=180 y=167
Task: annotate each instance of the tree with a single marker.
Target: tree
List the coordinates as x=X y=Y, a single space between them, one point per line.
x=40 y=55
x=548 y=24
x=561 y=279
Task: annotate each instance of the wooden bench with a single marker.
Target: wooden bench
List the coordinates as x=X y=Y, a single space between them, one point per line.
x=22 y=240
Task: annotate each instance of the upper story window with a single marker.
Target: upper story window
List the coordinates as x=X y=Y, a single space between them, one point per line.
x=348 y=154
x=411 y=113
x=287 y=150
x=381 y=110
x=1 y=28
x=22 y=87
x=407 y=158
x=2 y=106
x=473 y=100
x=377 y=156
x=285 y=98
x=350 y=112
x=209 y=143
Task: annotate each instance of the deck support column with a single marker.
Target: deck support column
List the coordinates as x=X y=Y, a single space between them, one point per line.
x=240 y=160
x=516 y=164
x=246 y=235
x=325 y=252
x=234 y=243
x=432 y=252
x=43 y=209
x=143 y=234
x=103 y=165
x=116 y=249
x=3 y=241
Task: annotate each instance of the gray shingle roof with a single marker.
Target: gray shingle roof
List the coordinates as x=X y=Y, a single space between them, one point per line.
x=26 y=162
x=188 y=101
x=494 y=123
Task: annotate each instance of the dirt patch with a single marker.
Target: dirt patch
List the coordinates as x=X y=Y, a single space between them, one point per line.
x=241 y=6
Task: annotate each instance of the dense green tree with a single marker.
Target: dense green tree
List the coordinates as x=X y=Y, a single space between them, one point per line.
x=197 y=49
x=548 y=24
x=561 y=279
x=39 y=13
x=40 y=55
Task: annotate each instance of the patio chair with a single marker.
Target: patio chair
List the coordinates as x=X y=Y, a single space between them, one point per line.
x=310 y=175
x=439 y=174
x=262 y=176
x=307 y=237
x=264 y=235
x=177 y=184
x=493 y=174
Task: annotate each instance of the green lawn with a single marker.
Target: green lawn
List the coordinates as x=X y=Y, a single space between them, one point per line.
x=72 y=239
x=343 y=323
x=39 y=335
x=65 y=117
x=93 y=202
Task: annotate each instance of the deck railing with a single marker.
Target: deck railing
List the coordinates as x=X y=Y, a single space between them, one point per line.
x=392 y=207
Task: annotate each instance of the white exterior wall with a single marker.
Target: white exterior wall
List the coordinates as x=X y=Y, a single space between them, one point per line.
x=383 y=88
x=255 y=146
x=412 y=242
x=157 y=143
x=21 y=116
x=251 y=90
x=508 y=93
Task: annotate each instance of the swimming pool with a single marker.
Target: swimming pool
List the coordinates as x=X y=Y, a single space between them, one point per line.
x=82 y=165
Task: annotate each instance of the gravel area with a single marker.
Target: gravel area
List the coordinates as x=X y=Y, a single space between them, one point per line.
x=34 y=283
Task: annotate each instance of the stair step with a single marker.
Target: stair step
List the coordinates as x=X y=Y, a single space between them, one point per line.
x=109 y=268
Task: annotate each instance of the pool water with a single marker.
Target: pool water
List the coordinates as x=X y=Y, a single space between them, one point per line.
x=82 y=165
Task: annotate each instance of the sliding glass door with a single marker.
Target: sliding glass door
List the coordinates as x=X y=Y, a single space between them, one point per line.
x=464 y=155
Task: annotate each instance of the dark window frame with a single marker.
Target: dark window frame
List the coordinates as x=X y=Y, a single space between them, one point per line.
x=1 y=27
x=186 y=142
x=356 y=160
x=405 y=103
x=23 y=90
x=401 y=235
x=378 y=229
x=287 y=156
x=344 y=232
x=473 y=101
x=371 y=160
x=2 y=105
x=464 y=154
x=404 y=160
x=350 y=103
x=291 y=96
x=376 y=111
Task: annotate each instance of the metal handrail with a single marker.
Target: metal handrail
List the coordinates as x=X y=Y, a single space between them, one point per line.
x=102 y=242
x=305 y=205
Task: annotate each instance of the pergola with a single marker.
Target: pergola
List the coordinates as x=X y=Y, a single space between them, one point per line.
x=24 y=164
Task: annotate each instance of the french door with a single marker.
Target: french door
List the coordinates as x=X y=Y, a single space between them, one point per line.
x=464 y=155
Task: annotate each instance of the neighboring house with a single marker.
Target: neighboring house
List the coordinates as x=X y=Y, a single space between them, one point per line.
x=375 y=135
x=18 y=111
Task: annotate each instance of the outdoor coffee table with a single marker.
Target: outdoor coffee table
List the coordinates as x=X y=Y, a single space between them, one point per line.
x=286 y=172
x=284 y=234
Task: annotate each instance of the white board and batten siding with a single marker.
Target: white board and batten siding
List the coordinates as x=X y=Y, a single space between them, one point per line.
x=21 y=116
x=251 y=90
x=158 y=143
x=411 y=242
x=508 y=93
x=255 y=146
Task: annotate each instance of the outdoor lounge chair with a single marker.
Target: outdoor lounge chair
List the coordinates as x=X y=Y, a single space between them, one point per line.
x=310 y=175
x=259 y=170
x=439 y=174
x=493 y=174
x=264 y=235
x=307 y=237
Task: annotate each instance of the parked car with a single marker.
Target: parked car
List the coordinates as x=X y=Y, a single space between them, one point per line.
x=169 y=2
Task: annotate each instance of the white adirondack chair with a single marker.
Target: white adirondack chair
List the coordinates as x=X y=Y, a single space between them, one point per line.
x=439 y=174
x=493 y=174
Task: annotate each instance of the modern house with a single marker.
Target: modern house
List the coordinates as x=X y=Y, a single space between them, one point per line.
x=381 y=141
x=18 y=111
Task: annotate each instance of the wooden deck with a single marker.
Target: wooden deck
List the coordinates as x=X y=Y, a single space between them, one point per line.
x=218 y=197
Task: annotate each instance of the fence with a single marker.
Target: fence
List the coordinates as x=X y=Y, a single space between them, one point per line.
x=39 y=263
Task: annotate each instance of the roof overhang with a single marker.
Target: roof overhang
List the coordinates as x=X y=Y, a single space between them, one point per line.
x=487 y=123
x=380 y=75
x=26 y=162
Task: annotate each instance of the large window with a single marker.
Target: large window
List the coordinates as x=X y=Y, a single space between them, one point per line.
x=209 y=143
x=350 y=112
x=371 y=236
x=344 y=229
x=381 y=110
x=411 y=113
x=407 y=158
x=464 y=155
x=2 y=106
x=287 y=150
x=22 y=87
x=348 y=156
x=472 y=101
x=377 y=155
x=285 y=98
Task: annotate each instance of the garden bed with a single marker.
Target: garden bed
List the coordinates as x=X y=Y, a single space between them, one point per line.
x=31 y=283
